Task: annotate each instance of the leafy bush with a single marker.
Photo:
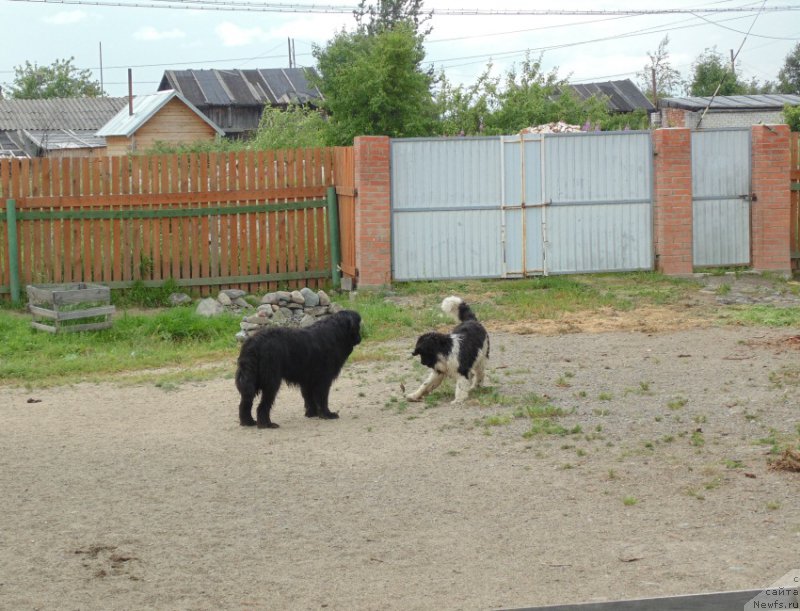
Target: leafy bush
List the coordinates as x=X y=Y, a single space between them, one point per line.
x=791 y=114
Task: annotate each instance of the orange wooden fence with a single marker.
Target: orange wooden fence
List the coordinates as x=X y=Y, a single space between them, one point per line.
x=795 y=186
x=346 y=195
x=252 y=220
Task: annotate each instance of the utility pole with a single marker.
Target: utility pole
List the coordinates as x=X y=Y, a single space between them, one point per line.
x=101 y=66
x=733 y=65
x=655 y=90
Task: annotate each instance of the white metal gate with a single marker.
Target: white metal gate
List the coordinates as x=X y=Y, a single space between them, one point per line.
x=721 y=197
x=521 y=205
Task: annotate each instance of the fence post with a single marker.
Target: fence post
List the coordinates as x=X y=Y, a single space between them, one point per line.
x=13 y=249
x=333 y=229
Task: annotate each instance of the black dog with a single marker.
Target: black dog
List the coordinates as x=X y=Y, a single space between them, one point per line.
x=310 y=358
x=460 y=354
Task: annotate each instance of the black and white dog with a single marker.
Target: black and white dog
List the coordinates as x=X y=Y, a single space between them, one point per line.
x=460 y=354
x=310 y=358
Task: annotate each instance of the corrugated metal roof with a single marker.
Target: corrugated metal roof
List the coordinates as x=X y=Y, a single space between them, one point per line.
x=258 y=87
x=144 y=108
x=732 y=102
x=58 y=113
x=60 y=139
x=623 y=96
x=9 y=146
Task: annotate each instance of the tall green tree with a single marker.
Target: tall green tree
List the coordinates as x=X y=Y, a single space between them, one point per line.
x=61 y=79
x=668 y=81
x=711 y=71
x=387 y=13
x=789 y=75
x=374 y=83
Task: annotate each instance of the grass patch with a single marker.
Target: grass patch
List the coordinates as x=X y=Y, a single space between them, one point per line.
x=169 y=338
x=765 y=316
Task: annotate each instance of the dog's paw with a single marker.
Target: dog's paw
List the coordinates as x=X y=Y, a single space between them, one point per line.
x=250 y=422
x=413 y=398
x=330 y=416
x=268 y=425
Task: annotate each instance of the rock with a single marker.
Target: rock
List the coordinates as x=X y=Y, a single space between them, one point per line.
x=317 y=311
x=256 y=320
x=179 y=299
x=241 y=336
x=335 y=307
x=248 y=326
x=234 y=294
x=224 y=299
x=294 y=306
x=308 y=320
x=264 y=310
x=310 y=298
x=284 y=296
x=324 y=300
x=240 y=302
x=209 y=307
x=270 y=298
x=281 y=316
x=297 y=297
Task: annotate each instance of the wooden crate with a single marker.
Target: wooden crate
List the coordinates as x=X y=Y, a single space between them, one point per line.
x=61 y=307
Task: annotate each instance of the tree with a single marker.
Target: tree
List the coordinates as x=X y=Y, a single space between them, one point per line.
x=295 y=127
x=789 y=75
x=668 y=80
x=374 y=84
x=59 y=80
x=522 y=98
x=711 y=74
x=372 y=19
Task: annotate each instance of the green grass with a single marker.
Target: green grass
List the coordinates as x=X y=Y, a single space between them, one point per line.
x=765 y=316
x=175 y=337
x=169 y=338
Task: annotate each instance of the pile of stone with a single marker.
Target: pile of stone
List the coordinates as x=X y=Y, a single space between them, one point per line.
x=231 y=301
x=289 y=309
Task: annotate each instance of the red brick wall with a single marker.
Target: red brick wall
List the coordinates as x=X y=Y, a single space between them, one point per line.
x=672 y=207
x=373 y=216
x=771 y=210
x=674 y=117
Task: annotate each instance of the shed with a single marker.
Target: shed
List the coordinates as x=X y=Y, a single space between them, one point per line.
x=235 y=99
x=725 y=110
x=55 y=127
x=165 y=116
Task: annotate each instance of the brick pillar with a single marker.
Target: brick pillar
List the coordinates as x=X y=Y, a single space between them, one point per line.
x=373 y=216
x=672 y=209
x=771 y=211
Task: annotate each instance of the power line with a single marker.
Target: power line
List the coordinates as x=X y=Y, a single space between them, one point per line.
x=733 y=62
x=234 y=5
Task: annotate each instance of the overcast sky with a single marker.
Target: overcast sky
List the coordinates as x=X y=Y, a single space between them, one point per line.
x=584 y=48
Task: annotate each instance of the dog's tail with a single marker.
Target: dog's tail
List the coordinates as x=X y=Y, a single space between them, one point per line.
x=458 y=309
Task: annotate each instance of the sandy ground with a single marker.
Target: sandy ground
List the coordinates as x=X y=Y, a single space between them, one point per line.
x=119 y=496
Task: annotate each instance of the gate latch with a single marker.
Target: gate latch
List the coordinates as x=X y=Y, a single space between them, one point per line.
x=749 y=197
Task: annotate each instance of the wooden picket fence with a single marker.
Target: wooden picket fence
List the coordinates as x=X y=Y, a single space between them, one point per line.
x=251 y=220
x=794 y=144
x=346 y=196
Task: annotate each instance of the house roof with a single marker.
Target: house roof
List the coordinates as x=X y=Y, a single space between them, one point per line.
x=62 y=139
x=258 y=87
x=732 y=102
x=10 y=146
x=622 y=96
x=58 y=113
x=144 y=108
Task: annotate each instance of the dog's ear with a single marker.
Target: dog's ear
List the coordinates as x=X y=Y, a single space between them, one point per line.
x=354 y=318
